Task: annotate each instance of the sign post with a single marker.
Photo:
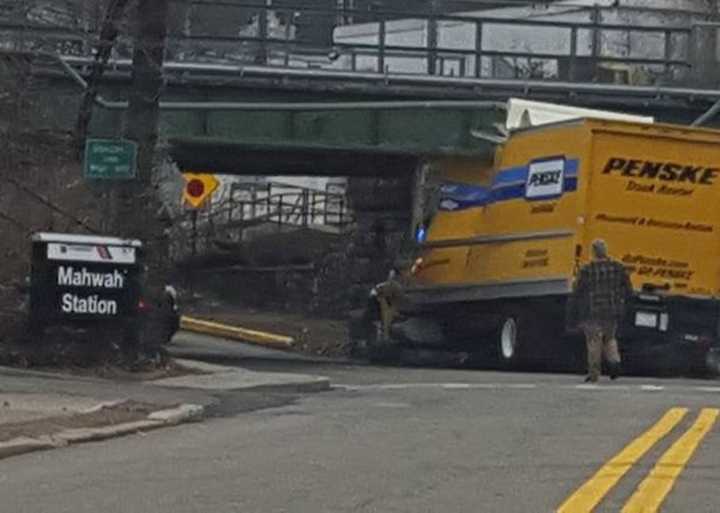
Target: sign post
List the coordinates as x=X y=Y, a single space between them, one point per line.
x=110 y=159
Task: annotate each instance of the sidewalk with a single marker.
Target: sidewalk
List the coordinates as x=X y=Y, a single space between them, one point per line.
x=53 y=416
x=45 y=410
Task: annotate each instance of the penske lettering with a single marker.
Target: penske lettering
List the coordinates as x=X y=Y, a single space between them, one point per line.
x=93 y=305
x=546 y=178
x=68 y=276
x=661 y=170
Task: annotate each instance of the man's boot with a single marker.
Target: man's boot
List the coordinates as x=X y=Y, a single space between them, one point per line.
x=614 y=369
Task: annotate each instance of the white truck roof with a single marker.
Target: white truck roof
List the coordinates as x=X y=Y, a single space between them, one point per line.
x=526 y=114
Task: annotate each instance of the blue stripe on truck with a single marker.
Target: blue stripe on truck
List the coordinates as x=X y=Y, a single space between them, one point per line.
x=508 y=184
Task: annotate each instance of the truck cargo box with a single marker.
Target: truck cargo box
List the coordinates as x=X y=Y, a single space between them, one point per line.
x=510 y=236
x=524 y=226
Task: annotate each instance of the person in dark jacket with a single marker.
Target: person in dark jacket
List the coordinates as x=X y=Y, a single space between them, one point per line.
x=601 y=295
x=388 y=295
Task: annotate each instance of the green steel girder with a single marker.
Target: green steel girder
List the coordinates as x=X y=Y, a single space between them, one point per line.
x=201 y=154
x=231 y=138
x=422 y=131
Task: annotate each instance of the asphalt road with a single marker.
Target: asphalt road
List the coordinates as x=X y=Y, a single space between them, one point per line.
x=404 y=440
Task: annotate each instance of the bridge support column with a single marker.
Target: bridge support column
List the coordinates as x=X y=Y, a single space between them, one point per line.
x=418 y=207
x=704 y=55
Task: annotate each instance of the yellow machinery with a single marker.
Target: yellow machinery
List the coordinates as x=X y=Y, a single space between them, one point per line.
x=508 y=237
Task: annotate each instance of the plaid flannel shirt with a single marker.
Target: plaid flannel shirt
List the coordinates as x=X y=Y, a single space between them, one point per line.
x=602 y=292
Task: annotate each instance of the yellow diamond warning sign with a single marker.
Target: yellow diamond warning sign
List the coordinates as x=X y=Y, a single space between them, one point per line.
x=198 y=188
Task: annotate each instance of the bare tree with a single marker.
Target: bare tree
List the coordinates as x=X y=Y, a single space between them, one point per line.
x=137 y=202
x=108 y=35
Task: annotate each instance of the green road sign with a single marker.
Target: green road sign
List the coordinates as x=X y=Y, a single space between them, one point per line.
x=110 y=159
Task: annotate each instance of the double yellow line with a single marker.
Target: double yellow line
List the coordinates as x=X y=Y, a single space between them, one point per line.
x=653 y=490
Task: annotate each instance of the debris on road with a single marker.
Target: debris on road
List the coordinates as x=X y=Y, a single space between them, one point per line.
x=312 y=335
x=236 y=333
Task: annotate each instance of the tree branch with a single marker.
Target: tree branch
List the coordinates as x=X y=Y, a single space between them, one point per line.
x=108 y=36
x=49 y=204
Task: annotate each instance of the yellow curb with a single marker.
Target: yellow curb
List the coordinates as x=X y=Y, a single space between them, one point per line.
x=216 y=329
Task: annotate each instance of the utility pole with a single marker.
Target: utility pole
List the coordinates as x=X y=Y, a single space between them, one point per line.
x=703 y=53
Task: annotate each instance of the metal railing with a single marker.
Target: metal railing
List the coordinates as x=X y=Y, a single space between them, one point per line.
x=295 y=207
x=664 y=52
x=264 y=208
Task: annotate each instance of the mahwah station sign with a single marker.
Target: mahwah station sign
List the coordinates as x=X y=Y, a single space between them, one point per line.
x=79 y=278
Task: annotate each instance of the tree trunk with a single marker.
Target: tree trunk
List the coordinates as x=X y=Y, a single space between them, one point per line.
x=147 y=83
x=137 y=204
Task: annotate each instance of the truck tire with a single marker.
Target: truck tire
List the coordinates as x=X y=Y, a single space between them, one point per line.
x=508 y=342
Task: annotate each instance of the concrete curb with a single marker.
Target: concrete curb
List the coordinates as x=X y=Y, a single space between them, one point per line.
x=105 y=405
x=155 y=420
x=223 y=378
x=183 y=413
x=80 y=435
x=22 y=445
x=217 y=329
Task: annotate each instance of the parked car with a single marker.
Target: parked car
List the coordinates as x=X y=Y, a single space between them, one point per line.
x=160 y=316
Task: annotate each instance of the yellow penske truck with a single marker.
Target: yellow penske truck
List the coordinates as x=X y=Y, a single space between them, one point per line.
x=506 y=240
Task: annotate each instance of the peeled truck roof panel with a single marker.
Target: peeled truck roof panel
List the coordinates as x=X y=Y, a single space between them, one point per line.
x=525 y=114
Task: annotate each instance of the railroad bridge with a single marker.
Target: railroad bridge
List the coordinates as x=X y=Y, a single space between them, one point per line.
x=386 y=89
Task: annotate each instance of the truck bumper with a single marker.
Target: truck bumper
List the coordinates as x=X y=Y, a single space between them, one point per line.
x=675 y=331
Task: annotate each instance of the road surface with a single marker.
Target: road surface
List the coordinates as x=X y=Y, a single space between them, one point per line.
x=403 y=440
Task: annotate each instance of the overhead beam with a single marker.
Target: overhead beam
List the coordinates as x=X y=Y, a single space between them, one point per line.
x=266 y=159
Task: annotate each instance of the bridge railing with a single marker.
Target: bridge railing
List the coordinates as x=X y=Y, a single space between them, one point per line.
x=247 y=212
x=592 y=45
x=300 y=207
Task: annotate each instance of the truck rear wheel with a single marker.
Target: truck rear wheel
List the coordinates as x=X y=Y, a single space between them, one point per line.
x=507 y=342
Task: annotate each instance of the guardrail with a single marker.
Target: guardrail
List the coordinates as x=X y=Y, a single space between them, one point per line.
x=584 y=58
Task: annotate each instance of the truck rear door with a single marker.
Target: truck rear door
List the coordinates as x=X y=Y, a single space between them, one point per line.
x=654 y=198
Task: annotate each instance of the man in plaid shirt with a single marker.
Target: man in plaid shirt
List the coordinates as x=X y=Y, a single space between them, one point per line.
x=602 y=292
